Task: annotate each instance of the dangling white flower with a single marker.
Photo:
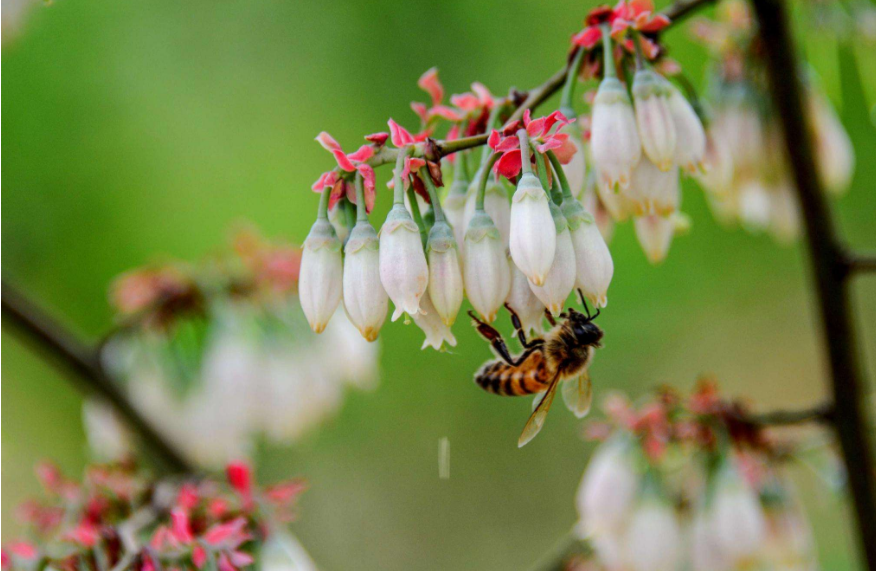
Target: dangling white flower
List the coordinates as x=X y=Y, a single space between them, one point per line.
x=784 y=213
x=738 y=123
x=653 y=191
x=320 y=281
x=703 y=550
x=594 y=267
x=454 y=207
x=108 y=438
x=560 y=279
x=835 y=155
x=654 y=119
x=652 y=541
x=716 y=176
x=524 y=303
x=445 y=276
x=403 y=269
x=282 y=552
x=533 y=236
x=655 y=236
x=576 y=169
x=690 y=137
x=593 y=204
x=485 y=267
x=736 y=517
x=496 y=205
x=608 y=489
x=754 y=206
x=437 y=333
x=618 y=204
x=365 y=300
x=614 y=139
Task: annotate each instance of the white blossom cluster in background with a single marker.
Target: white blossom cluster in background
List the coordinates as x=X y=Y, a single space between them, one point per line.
x=689 y=485
x=217 y=357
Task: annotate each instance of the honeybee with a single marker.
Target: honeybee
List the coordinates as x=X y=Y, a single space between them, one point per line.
x=563 y=354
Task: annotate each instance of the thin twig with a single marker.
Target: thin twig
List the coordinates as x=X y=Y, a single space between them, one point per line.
x=821 y=413
x=828 y=267
x=861 y=263
x=76 y=357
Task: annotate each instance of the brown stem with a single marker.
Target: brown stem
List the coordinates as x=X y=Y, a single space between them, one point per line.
x=861 y=263
x=74 y=356
x=821 y=413
x=829 y=268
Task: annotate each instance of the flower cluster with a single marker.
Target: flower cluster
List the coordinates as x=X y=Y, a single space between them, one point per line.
x=218 y=352
x=747 y=176
x=689 y=484
x=119 y=518
x=442 y=243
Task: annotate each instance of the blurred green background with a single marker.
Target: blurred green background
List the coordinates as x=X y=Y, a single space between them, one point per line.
x=136 y=130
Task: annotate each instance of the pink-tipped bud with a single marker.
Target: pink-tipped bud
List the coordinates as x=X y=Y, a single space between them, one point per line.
x=485 y=266
x=365 y=300
x=560 y=280
x=653 y=118
x=445 y=276
x=533 y=236
x=403 y=269
x=320 y=280
x=594 y=267
x=614 y=138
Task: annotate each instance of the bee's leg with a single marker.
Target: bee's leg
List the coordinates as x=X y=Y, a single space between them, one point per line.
x=550 y=318
x=518 y=328
x=490 y=333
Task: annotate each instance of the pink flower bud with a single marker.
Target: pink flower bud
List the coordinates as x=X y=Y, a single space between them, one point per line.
x=321 y=277
x=653 y=118
x=614 y=138
x=524 y=303
x=653 y=191
x=594 y=267
x=445 y=276
x=403 y=269
x=533 y=236
x=690 y=137
x=485 y=266
x=560 y=279
x=427 y=319
x=655 y=236
x=652 y=541
x=365 y=300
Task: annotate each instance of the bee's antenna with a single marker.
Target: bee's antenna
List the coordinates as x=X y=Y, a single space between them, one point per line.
x=584 y=303
x=595 y=315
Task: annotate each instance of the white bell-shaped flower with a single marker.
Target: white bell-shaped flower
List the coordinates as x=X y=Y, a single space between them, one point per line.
x=282 y=552
x=437 y=332
x=784 y=213
x=702 y=549
x=560 y=280
x=652 y=541
x=403 y=269
x=655 y=236
x=754 y=205
x=835 y=155
x=614 y=138
x=445 y=275
x=736 y=517
x=524 y=303
x=653 y=118
x=533 y=236
x=594 y=267
x=608 y=489
x=716 y=176
x=486 y=271
x=653 y=191
x=365 y=300
x=690 y=137
x=320 y=280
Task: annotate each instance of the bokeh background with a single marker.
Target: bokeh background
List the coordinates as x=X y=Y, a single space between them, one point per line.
x=142 y=130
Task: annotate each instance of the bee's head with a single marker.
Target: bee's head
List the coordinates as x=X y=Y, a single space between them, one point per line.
x=586 y=332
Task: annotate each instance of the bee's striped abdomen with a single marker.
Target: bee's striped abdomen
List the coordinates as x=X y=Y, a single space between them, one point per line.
x=498 y=377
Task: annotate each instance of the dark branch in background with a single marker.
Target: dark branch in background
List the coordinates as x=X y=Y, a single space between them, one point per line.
x=861 y=263
x=829 y=268
x=72 y=355
x=823 y=413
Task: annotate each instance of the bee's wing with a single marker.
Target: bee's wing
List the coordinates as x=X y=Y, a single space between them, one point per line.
x=536 y=420
x=578 y=394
